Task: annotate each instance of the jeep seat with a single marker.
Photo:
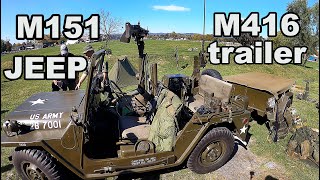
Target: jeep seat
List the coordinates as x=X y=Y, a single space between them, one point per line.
x=163 y=129
x=212 y=87
x=133 y=128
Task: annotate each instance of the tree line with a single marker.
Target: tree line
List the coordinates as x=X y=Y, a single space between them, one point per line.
x=190 y=36
x=5 y=45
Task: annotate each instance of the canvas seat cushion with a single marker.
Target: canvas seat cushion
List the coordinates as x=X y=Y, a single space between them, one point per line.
x=196 y=103
x=163 y=129
x=216 y=87
x=213 y=87
x=133 y=128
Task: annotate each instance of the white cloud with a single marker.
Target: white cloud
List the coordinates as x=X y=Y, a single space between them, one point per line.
x=171 y=8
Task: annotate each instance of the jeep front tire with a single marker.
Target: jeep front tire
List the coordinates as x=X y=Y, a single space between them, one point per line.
x=35 y=164
x=212 y=152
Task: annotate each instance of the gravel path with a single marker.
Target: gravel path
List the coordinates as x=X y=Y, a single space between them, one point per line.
x=245 y=165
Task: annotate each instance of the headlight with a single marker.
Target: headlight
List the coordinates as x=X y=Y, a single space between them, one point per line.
x=10 y=127
x=271 y=102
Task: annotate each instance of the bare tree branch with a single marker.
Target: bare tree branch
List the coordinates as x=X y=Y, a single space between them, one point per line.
x=108 y=25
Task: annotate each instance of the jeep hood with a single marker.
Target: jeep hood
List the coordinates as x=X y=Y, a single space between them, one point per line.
x=51 y=101
x=48 y=106
x=43 y=116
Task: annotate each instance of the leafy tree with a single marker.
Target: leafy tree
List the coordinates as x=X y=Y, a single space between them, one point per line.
x=173 y=35
x=279 y=40
x=8 y=46
x=308 y=22
x=197 y=37
x=315 y=20
x=208 y=37
x=3 y=45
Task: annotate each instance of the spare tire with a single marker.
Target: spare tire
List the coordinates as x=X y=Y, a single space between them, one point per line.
x=212 y=72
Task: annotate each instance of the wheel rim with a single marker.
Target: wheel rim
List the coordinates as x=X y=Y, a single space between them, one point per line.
x=32 y=171
x=212 y=153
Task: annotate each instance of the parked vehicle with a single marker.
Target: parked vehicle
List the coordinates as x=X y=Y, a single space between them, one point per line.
x=103 y=131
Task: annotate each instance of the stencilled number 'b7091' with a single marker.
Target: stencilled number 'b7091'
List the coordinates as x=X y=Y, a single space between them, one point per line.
x=56 y=124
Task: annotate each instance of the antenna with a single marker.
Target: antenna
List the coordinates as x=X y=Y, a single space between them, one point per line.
x=202 y=55
x=204 y=25
x=200 y=61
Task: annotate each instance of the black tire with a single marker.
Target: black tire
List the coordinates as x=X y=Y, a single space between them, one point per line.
x=217 y=146
x=212 y=72
x=35 y=164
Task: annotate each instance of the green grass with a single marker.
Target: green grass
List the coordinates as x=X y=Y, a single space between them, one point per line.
x=15 y=92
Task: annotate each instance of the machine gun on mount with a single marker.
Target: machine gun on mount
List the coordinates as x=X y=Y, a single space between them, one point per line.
x=138 y=33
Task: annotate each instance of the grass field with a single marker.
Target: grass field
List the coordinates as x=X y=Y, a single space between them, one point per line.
x=15 y=92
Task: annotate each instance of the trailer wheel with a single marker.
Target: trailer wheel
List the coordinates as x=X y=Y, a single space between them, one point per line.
x=35 y=164
x=212 y=72
x=212 y=152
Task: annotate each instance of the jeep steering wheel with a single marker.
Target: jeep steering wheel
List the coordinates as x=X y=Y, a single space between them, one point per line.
x=119 y=93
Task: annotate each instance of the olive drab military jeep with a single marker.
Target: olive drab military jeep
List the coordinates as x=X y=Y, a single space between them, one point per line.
x=103 y=131
x=92 y=138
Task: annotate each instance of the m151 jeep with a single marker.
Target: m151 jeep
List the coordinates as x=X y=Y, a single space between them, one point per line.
x=103 y=132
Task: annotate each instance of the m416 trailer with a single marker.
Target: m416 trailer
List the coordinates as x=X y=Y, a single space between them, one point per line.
x=269 y=97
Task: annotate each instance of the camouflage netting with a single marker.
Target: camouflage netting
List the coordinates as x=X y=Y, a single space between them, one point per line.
x=304 y=144
x=164 y=126
x=123 y=73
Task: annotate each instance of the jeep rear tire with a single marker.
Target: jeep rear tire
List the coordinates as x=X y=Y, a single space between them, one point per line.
x=35 y=164
x=212 y=72
x=212 y=152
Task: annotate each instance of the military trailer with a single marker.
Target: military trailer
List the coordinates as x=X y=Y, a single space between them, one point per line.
x=103 y=131
x=270 y=99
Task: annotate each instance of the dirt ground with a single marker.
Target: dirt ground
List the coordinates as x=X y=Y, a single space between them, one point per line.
x=246 y=165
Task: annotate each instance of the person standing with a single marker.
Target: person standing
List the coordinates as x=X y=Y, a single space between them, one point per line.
x=65 y=84
x=88 y=52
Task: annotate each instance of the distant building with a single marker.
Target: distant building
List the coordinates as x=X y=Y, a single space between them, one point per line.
x=18 y=48
x=72 y=42
x=38 y=45
x=29 y=46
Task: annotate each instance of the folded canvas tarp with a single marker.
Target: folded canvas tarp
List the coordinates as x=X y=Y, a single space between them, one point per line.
x=123 y=73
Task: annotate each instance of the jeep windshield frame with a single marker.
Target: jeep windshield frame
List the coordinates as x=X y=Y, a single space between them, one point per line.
x=94 y=69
